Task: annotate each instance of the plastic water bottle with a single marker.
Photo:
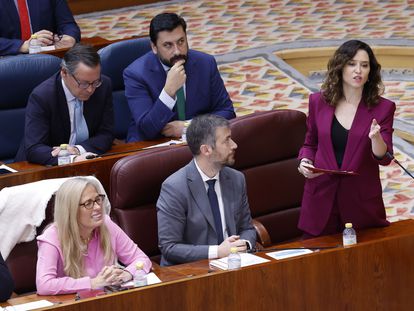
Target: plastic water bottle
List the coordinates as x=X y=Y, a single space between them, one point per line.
x=63 y=155
x=140 y=277
x=34 y=45
x=184 y=133
x=234 y=259
x=349 y=235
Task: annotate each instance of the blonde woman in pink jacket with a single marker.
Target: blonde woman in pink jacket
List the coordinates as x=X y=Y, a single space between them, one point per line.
x=80 y=250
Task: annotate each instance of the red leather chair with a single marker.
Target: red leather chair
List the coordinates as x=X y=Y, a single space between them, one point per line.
x=135 y=185
x=23 y=258
x=268 y=144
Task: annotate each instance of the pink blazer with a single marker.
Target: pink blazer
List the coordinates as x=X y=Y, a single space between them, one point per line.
x=359 y=197
x=50 y=275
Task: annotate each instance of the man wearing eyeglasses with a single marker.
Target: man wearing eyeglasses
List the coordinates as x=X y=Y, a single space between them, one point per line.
x=72 y=107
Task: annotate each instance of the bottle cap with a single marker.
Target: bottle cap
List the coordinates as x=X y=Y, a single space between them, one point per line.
x=139 y=265
x=348 y=225
x=34 y=36
x=233 y=250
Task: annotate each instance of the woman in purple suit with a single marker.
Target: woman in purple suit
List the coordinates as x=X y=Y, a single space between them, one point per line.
x=349 y=128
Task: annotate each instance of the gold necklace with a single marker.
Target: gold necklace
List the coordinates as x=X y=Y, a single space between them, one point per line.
x=87 y=240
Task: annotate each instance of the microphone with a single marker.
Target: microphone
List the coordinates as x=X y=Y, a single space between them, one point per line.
x=389 y=155
x=314 y=248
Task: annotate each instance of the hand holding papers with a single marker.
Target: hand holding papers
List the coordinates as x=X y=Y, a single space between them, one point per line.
x=246 y=260
x=328 y=171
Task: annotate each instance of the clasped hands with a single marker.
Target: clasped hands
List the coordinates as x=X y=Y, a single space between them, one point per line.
x=110 y=275
x=227 y=244
x=47 y=37
x=73 y=151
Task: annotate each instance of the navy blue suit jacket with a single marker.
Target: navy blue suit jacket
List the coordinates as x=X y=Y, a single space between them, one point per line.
x=144 y=80
x=6 y=281
x=52 y=15
x=47 y=122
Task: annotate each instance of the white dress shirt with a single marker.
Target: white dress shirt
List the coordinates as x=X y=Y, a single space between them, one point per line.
x=213 y=249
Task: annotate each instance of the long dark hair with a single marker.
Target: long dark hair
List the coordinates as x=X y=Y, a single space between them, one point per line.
x=332 y=88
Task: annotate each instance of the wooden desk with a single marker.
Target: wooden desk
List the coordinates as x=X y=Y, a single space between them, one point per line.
x=376 y=274
x=96 y=42
x=100 y=167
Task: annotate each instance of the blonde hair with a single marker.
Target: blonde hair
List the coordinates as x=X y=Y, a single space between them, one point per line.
x=66 y=220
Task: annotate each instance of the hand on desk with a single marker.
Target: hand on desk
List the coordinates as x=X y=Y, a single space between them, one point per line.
x=64 y=42
x=44 y=36
x=74 y=151
x=231 y=241
x=173 y=129
x=110 y=275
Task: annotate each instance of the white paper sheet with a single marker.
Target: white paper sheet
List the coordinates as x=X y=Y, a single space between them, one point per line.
x=246 y=260
x=152 y=278
x=168 y=143
x=29 y=306
x=48 y=48
x=287 y=253
x=7 y=168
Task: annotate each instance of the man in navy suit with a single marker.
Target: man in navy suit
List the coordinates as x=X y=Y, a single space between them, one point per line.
x=51 y=20
x=6 y=281
x=172 y=84
x=73 y=107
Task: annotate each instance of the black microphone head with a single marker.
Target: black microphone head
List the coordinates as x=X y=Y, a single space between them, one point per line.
x=389 y=155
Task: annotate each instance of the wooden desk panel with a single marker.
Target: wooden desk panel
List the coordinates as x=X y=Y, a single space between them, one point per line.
x=100 y=167
x=96 y=42
x=376 y=274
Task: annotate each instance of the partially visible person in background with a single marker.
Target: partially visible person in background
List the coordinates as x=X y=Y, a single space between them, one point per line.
x=349 y=128
x=72 y=107
x=50 y=20
x=172 y=84
x=80 y=250
x=6 y=281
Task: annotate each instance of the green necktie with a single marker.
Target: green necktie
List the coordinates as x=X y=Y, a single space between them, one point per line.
x=180 y=104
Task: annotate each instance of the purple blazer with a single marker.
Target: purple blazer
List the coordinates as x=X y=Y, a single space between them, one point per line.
x=359 y=197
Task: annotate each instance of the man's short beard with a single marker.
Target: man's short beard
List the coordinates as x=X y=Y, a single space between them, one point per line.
x=171 y=62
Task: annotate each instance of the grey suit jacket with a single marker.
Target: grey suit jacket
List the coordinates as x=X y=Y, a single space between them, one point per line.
x=185 y=221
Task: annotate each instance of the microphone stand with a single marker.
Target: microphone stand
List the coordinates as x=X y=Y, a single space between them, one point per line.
x=389 y=155
x=314 y=248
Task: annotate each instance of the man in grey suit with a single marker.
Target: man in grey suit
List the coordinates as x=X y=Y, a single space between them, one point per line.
x=203 y=209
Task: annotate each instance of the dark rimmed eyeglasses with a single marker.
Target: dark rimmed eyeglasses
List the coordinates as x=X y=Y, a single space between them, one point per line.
x=89 y=204
x=84 y=85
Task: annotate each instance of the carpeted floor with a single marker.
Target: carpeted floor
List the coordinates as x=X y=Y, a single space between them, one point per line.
x=244 y=36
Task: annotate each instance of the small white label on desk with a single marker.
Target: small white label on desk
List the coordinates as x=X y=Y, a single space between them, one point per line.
x=287 y=253
x=168 y=143
x=152 y=278
x=246 y=260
